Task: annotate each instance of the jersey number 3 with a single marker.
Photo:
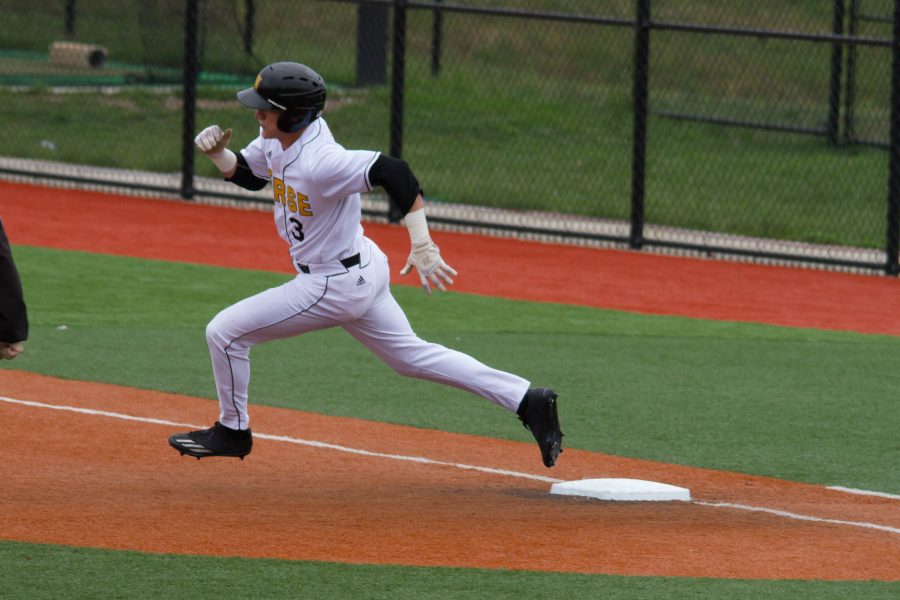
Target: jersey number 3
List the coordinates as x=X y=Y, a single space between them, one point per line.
x=297 y=229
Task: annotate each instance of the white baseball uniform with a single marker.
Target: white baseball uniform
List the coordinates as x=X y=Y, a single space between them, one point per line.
x=343 y=280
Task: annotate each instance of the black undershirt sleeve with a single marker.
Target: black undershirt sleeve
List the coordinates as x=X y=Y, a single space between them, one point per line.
x=397 y=179
x=244 y=177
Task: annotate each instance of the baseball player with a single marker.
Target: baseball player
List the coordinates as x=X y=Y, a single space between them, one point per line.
x=342 y=276
x=13 y=313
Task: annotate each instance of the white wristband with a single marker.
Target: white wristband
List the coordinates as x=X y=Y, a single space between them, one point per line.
x=418 y=228
x=226 y=160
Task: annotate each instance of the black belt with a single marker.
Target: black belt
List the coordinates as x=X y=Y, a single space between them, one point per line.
x=348 y=262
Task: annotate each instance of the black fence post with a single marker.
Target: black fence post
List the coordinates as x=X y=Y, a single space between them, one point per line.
x=70 y=18
x=249 y=19
x=189 y=96
x=437 y=33
x=639 y=141
x=834 y=85
x=398 y=75
x=892 y=267
x=850 y=79
x=371 y=44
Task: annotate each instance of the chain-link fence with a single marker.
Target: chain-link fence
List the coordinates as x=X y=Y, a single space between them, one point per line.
x=752 y=107
x=758 y=128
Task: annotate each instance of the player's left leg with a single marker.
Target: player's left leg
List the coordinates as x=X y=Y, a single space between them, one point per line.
x=384 y=329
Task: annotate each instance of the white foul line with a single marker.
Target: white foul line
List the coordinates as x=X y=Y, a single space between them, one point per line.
x=290 y=440
x=840 y=488
x=429 y=461
x=417 y=459
x=790 y=515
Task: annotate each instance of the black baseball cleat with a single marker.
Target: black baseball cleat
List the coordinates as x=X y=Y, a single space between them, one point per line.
x=218 y=440
x=538 y=413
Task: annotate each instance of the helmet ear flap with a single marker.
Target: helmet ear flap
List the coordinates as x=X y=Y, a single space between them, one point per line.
x=291 y=122
x=287 y=123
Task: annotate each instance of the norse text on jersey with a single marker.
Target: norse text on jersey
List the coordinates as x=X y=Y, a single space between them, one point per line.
x=294 y=201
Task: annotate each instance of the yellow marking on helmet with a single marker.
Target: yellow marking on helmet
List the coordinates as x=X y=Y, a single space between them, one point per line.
x=257 y=82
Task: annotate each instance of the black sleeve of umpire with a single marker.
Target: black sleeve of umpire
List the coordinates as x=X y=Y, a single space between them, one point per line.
x=397 y=179
x=244 y=177
x=13 y=315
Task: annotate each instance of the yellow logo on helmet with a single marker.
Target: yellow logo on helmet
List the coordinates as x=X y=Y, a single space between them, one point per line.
x=258 y=81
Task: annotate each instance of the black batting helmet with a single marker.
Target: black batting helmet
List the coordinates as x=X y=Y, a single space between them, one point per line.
x=291 y=88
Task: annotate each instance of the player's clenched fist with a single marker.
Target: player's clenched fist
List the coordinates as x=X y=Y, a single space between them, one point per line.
x=212 y=140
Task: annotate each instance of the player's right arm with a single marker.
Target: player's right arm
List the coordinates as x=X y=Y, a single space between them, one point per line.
x=213 y=142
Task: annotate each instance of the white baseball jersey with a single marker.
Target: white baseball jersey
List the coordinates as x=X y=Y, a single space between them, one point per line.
x=316 y=185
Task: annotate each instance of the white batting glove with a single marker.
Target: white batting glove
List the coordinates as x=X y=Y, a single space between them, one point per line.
x=213 y=143
x=425 y=256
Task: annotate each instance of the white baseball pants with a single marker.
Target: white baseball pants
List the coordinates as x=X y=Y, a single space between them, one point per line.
x=358 y=299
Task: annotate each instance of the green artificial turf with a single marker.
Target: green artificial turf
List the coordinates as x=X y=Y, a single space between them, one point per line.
x=35 y=571
x=805 y=405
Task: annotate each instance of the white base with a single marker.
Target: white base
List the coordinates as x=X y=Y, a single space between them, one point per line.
x=621 y=489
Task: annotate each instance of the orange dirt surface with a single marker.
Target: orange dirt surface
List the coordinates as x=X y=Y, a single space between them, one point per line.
x=503 y=267
x=96 y=480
